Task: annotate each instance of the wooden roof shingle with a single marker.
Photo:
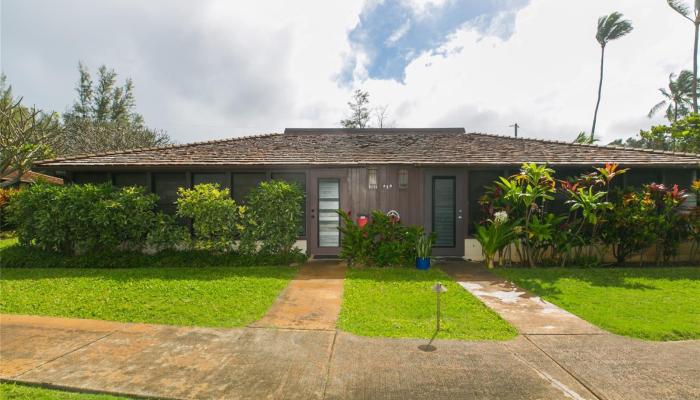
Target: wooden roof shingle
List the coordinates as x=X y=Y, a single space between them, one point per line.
x=339 y=147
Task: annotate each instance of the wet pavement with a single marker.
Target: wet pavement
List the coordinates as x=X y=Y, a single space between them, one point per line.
x=311 y=300
x=557 y=355
x=527 y=312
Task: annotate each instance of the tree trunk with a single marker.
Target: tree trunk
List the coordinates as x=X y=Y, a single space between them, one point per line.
x=695 y=69
x=600 y=89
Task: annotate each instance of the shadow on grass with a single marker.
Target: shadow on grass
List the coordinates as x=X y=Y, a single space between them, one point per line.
x=19 y=257
x=543 y=281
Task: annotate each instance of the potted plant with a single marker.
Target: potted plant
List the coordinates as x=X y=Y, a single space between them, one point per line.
x=424 y=246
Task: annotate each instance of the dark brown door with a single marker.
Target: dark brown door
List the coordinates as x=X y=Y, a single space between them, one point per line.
x=328 y=192
x=444 y=210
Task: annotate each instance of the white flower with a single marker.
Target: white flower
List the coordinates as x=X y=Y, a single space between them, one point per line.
x=500 y=217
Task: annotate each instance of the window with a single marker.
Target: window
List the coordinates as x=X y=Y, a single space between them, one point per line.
x=638 y=177
x=478 y=181
x=403 y=178
x=300 y=179
x=328 y=218
x=90 y=177
x=216 y=177
x=243 y=183
x=123 y=179
x=165 y=185
x=372 y=178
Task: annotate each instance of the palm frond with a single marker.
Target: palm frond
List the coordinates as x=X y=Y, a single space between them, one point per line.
x=657 y=108
x=681 y=8
x=611 y=27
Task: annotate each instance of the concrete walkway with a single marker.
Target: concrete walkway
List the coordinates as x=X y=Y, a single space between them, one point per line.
x=527 y=312
x=311 y=300
x=201 y=363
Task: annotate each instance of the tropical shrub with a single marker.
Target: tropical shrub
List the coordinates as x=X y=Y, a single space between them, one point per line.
x=383 y=242
x=494 y=237
x=272 y=217
x=216 y=219
x=672 y=226
x=630 y=224
x=5 y=195
x=82 y=218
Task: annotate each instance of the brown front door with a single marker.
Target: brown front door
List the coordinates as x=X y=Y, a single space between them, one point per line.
x=328 y=192
x=444 y=210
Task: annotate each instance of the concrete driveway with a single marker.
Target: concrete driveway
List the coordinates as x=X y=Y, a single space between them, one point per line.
x=199 y=363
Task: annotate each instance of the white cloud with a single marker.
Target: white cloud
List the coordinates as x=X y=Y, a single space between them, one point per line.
x=545 y=75
x=219 y=69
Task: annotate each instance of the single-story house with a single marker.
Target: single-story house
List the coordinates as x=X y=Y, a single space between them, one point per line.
x=431 y=177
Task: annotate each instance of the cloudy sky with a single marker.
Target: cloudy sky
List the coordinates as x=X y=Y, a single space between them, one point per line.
x=215 y=69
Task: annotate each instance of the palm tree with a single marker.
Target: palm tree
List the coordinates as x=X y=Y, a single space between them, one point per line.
x=610 y=27
x=678 y=97
x=694 y=17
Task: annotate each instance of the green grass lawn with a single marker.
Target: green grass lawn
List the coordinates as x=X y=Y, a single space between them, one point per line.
x=646 y=303
x=9 y=391
x=211 y=296
x=399 y=302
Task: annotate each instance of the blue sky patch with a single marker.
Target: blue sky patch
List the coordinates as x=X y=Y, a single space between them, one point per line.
x=392 y=34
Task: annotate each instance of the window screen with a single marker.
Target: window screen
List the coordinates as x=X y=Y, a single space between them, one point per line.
x=90 y=177
x=639 y=177
x=245 y=181
x=217 y=177
x=165 y=185
x=123 y=179
x=478 y=181
x=300 y=179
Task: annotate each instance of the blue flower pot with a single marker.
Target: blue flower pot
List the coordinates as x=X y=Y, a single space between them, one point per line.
x=423 y=262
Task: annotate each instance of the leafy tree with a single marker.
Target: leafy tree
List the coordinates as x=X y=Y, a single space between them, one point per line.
x=103 y=117
x=678 y=97
x=359 y=111
x=610 y=27
x=26 y=134
x=693 y=16
x=682 y=135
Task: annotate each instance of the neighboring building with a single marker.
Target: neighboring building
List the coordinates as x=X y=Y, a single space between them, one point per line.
x=432 y=177
x=9 y=179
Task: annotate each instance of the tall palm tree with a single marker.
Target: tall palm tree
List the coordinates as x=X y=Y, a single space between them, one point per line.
x=677 y=98
x=610 y=27
x=694 y=17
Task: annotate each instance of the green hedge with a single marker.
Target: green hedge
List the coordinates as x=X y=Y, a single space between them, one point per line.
x=90 y=218
x=27 y=257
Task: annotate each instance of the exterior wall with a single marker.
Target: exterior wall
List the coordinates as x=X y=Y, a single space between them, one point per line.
x=411 y=202
x=387 y=196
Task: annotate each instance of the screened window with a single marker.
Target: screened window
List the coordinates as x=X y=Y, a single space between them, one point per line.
x=478 y=181
x=165 y=185
x=244 y=182
x=636 y=177
x=298 y=178
x=123 y=179
x=216 y=177
x=90 y=177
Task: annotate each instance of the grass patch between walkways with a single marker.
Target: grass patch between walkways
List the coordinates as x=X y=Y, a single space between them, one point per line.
x=646 y=303
x=208 y=296
x=10 y=391
x=400 y=303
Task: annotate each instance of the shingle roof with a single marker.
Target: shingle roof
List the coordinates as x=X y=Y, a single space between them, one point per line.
x=450 y=146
